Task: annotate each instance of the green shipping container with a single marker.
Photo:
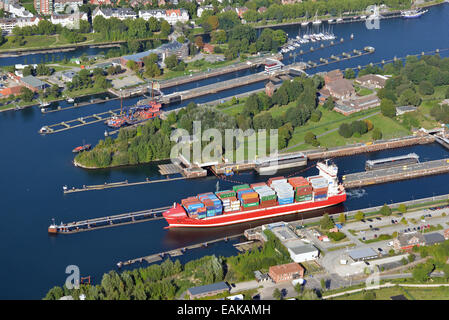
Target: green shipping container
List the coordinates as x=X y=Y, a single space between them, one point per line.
x=241 y=186
x=266 y=198
x=227 y=194
x=247 y=205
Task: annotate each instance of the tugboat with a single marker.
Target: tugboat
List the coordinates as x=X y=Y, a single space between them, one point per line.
x=81 y=148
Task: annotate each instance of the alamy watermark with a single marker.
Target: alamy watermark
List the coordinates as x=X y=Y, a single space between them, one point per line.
x=73 y=280
x=209 y=147
x=373 y=20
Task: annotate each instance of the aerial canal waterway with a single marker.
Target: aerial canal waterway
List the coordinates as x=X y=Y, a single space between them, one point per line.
x=33 y=169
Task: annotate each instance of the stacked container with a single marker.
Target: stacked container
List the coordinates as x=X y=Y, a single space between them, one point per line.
x=284 y=191
x=320 y=187
x=303 y=190
x=267 y=195
x=241 y=186
x=229 y=200
x=270 y=181
x=193 y=207
x=249 y=200
x=212 y=203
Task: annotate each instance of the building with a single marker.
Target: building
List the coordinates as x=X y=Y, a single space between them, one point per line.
x=18 y=11
x=301 y=252
x=100 y=2
x=261 y=277
x=208 y=48
x=8 y=24
x=375 y=81
x=262 y=10
x=332 y=76
x=406 y=241
x=119 y=13
x=269 y=88
x=174 y=47
x=363 y=254
x=341 y=89
x=357 y=104
x=43 y=6
x=11 y=91
x=60 y=5
x=208 y=290
x=33 y=83
x=446 y=234
x=68 y=76
x=172 y=16
x=200 y=10
x=286 y=272
x=70 y=21
x=433 y=238
x=404 y=109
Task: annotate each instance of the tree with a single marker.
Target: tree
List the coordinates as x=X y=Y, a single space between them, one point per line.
x=277 y=294
x=426 y=87
x=329 y=104
x=385 y=210
x=422 y=271
x=402 y=208
x=387 y=108
x=199 y=42
x=342 y=218
x=359 y=215
x=310 y=138
x=349 y=73
x=323 y=283
x=377 y=134
x=171 y=61
x=26 y=94
x=345 y=130
x=326 y=222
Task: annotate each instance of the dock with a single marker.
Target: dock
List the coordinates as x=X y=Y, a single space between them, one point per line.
x=378 y=176
x=175 y=252
x=77 y=105
x=79 y=122
x=107 y=222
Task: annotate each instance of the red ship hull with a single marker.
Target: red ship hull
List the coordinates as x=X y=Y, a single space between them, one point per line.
x=177 y=217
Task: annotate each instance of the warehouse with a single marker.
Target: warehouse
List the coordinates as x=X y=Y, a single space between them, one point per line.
x=208 y=290
x=363 y=254
x=300 y=251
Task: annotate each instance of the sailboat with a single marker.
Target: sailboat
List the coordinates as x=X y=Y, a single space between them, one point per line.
x=305 y=23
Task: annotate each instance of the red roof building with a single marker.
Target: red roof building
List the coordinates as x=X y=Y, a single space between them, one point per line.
x=286 y=272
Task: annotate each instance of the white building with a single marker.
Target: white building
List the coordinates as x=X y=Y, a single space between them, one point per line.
x=70 y=21
x=60 y=5
x=18 y=11
x=200 y=10
x=120 y=13
x=301 y=252
x=8 y=24
x=172 y=16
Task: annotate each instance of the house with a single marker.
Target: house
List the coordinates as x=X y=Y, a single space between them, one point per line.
x=433 y=238
x=446 y=234
x=241 y=11
x=406 y=241
x=119 y=13
x=404 y=109
x=301 y=252
x=68 y=76
x=18 y=11
x=375 y=81
x=70 y=21
x=207 y=290
x=208 y=48
x=33 y=83
x=11 y=91
x=8 y=24
x=172 y=16
x=286 y=272
x=341 y=89
x=332 y=76
x=262 y=10
x=357 y=104
x=60 y=5
x=200 y=10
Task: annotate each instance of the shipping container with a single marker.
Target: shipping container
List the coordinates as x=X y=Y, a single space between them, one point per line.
x=242 y=186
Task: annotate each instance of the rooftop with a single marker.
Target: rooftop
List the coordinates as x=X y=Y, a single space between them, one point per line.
x=361 y=254
x=33 y=81
x=432 y=238
x=286 y=268
x=209 y=288
x=299 y=247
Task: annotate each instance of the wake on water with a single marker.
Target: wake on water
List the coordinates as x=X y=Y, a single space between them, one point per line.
x=356 y=193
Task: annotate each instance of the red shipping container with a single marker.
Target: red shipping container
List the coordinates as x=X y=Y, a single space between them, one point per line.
x=250 y=200
x=259 y=184
x=274 y=178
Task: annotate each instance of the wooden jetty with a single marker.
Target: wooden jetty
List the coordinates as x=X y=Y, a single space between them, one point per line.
x=79 y=122
x=107 y=222
x=422 y=169
x=176 y=252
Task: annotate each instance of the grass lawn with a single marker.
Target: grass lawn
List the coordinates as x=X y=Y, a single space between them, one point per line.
x=362 y=91
x=82 y=92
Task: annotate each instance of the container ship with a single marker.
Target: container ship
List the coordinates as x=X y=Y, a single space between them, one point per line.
x=136 y=114
x=243 y=203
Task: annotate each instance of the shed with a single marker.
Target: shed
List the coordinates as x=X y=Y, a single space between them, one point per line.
x=208 y=290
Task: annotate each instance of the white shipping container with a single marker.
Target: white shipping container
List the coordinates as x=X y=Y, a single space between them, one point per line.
x=274 y=182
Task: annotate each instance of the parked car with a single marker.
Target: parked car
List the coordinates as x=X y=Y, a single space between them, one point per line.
x=392 y=221
x=380 y=249
x=363 y=221
x=370 y=220
x=379 y=218
x=375 y=236
x=370 y=226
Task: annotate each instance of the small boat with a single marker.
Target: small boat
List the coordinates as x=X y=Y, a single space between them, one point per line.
x=44 y=130
x=305 y=23
x=45 y=104
x=81 y=148
x=330 y=20
x=316 y=21
x=70 y=100
x=414 y=13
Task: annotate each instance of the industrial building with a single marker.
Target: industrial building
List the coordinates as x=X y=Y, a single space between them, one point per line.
x=363 y=254
x=208 y=290
x=301 y=252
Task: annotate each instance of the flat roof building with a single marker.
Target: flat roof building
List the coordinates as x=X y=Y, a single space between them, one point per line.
x=363 y=254
x=208 y=290
x=33 y=83
x=301 y=252
x=433 y=238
